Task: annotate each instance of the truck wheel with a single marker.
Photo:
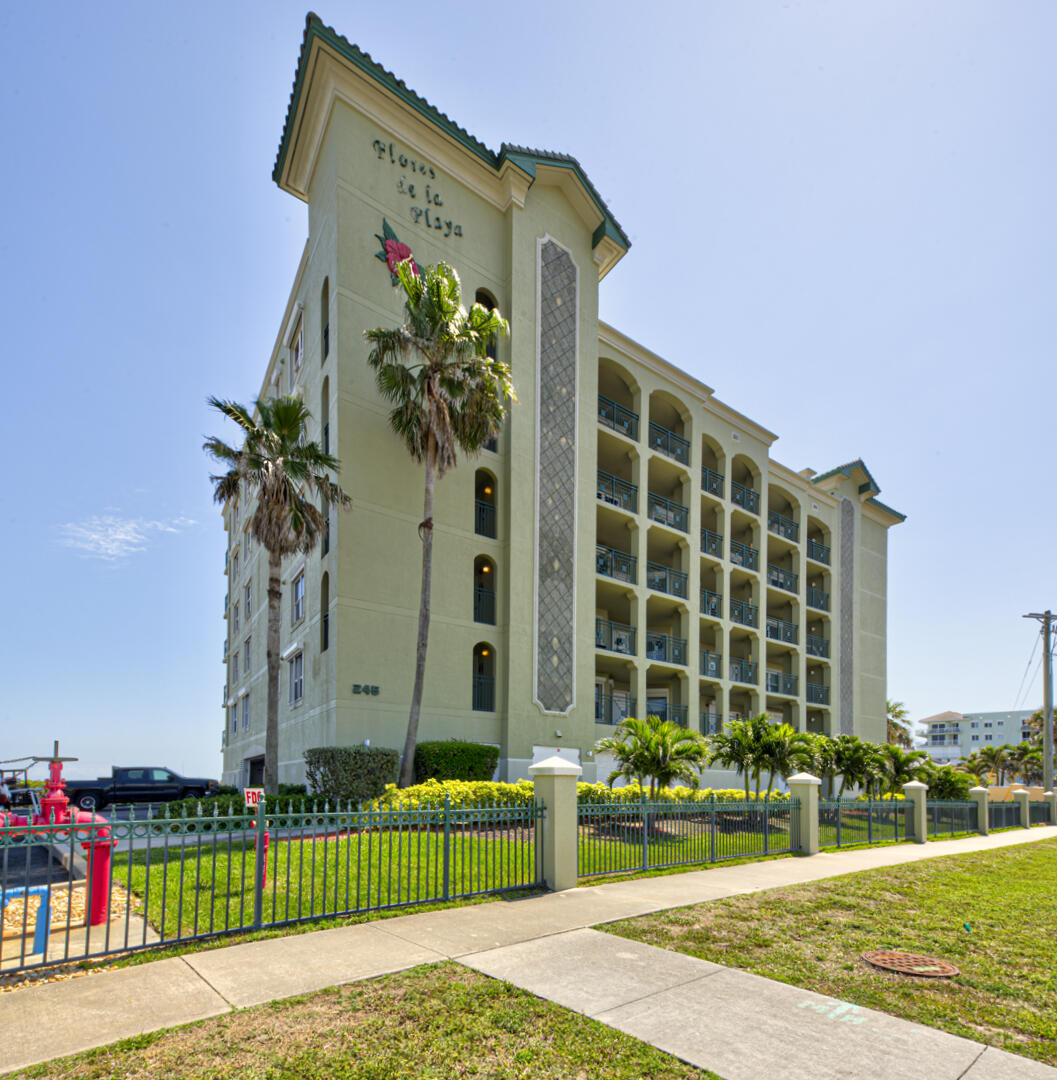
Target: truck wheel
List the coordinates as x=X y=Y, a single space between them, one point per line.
x=86 y=800
x=195 y=794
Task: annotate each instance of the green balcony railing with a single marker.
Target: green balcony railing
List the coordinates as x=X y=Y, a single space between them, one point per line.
x=618 y=418
x=782 y=630
x=614 y=636
x=711 y=722
x=712 y=543
x=818 y=598
x=484 y=693
x=711 y=665
x=617 y=492
x=665 y=710
x=817 y=646
x=818 y=552
x=745 y=497
x=779 y=682
x=711 y=604
x=741 y=611
x=817 y=694
x=744 y=671
x=484 y=519
x=664 y=579
x=783 y=526
x=615 y=708
x=665 y=647
x=616 y=564
x=667 y=442
x=712 y=482
x=781 y=578
x=668 y=512
x=484 y=605
x=744 y=555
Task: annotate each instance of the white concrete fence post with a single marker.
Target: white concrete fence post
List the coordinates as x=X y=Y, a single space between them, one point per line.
x=1022 y=798
x=555 y=784
x=1051 y=800
x=804 y=787
x=916 y=793
x=981 y=796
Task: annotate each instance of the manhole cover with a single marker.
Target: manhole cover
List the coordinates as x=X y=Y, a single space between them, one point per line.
x=904 y=963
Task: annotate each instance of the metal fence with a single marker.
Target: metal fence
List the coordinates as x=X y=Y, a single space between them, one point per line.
x=1003 y=815
x=1038 y=813
x=624 y=837
x=950 y=817
x=846 y=822
x=176 y=879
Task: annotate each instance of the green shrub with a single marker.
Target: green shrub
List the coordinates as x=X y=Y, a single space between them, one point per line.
x=353 y=773
x=455 y=759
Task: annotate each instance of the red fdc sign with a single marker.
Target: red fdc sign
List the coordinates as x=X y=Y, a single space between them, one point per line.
x=254 y=796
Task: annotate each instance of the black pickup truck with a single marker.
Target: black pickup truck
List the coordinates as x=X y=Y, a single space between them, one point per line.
x=142 y=784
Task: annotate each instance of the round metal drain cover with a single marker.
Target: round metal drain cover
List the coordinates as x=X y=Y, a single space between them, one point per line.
x=904 y=963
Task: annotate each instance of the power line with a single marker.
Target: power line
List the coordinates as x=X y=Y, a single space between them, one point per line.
x=1030 y=685
x=1026 y=670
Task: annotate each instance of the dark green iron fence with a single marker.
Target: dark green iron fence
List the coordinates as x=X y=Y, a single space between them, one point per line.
x=1003 y=815
x=624 y=837
x=845 y=822
x=1039 y=813
x=950 y=817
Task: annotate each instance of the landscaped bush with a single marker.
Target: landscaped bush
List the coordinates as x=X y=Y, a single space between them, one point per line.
x=454 y=759
x=352 y=773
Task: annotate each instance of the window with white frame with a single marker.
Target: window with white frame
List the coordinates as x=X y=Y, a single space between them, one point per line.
x=235 y=618
x=235 y=666
x=235 y=565
x=234 y=710
x=297 y=677
x=249 y=598
x=246 y=657
x=976 y=738
x=296 y=346
x=246 y=713
x=297 y=599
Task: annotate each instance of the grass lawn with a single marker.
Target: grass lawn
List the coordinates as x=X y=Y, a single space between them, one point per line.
x=812 y=936
x=426 y=1024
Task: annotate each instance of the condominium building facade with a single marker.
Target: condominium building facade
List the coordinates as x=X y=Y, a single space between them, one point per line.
x=953 y=736
x=626 y=546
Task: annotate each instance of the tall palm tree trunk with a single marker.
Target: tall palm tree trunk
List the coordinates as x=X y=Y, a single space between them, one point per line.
x=407 y=764
x=271 y=731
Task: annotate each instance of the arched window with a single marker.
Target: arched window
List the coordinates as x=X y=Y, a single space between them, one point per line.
x=485 y=504
x=324 y=321
x=484 y=587
x=483 y=677
x=324 y=618
x=324 y=414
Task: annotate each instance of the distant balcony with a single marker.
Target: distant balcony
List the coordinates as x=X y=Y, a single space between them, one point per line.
x=744 y=555
x=667 y=512
x=778 y=682
x=745 y=497
x=711 y=665
x=614 y=708
x=741 y=611
x=484 y=606
x=667 y=442
x=818 y=552
x=616 y=564
x=664 y=579
x=744 y=671
x=665 y=647
x=484 y=518
x=711 y=723
x=782 y=579
x=817 y=598
x=711 y=604
x=615 y=416
x=944 y=729
x=614 y=636
x=817 y=646
x=783 y=526
x=781 y=630
x=665 y=710
x=712 y=543
x=712 y=482
x=617 y=492
x=817 y=694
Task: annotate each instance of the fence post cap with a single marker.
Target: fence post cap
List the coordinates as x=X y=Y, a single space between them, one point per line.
x=555 y=766
x=978 y=788
x=915 y=785
x=803 y=778
x=1045 y=793
x=1018 y=791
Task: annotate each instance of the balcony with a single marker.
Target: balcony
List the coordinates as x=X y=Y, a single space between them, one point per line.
x=817 y=646
x=778 y=682
x=944 y=729
x=712 y=543
x=664 y=579
x=615 y=416
x=616 y=564
x=665 y=710
x=712 y=482
x=667 y=512
x=711 y=723
x=783 y=526
x=781 y=630
x=484 y=518
x=817 y=598
x=817 y=694
x=818 y=552
x=484 y=693
x=711 y=604
x=484 y=605
x=744 y=555
x=745 y=497
x=744 y=671
x=667 y=442
x=617 y=492
x=711 y=665
x=741 y=611
x=614 y=636
x=614 y=708
x=782 y=579
x=665 y=647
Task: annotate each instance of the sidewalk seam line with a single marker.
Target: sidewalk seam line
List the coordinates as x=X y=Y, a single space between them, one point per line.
x=191 y=967
x=654 y=993
x=972 y=1063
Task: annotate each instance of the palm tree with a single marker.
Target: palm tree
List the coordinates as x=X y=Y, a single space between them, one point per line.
x=282 y=469
x=734 y=747
x=975 y=767
x=900 y=766
x=899 y=731
x=851 y=761
x=654 y=749
x=945 y=781
x=784 y=751
x=995 y=759
x=448 y=395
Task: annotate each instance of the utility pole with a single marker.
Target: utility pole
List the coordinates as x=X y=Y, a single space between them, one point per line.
x=1046 y=618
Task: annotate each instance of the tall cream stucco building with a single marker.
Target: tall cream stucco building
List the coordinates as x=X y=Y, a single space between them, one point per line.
x=628 y=547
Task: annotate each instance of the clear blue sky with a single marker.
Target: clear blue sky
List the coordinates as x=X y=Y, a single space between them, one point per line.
x=842 y=218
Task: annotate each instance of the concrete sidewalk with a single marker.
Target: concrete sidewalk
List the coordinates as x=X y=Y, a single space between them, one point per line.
x=543 y=944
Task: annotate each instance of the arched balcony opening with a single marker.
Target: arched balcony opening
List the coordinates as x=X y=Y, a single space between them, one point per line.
x=713 y=467
x=483 y=677
x=484 y=590
x=485 y=499
x=618 y=395
x=324 y=613
x=783 y=515
x=818 y=541
x=324 y=321
x=745 y=484
x=669 y=428
x=324 y=415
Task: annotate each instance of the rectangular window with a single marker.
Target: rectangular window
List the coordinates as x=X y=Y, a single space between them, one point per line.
x=296 y=345
x=987 y=723
x=235 y=667
x=235 y=515
x=249 y=598
x=234 y=710
x=297 y=678
x=235 y=618
x=235 y=566
x=297 y=599
x=246 y=657
x=246 y=713
x=976 y=738
x=975 y=724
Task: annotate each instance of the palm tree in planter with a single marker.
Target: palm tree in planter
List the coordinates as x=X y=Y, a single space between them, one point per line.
x=287 y=474
x=660 y=751
x=448 y=395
